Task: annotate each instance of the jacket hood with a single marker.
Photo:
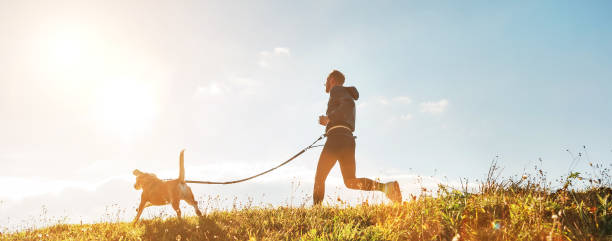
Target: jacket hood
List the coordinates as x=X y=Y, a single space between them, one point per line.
x=352 y=91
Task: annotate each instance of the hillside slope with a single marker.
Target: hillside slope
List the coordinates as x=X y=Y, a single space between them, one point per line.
x=510 y=213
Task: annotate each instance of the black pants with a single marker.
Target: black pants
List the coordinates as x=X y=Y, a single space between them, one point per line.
x=340 y=146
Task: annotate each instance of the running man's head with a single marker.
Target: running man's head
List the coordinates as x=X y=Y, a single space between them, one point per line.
x=334 y=78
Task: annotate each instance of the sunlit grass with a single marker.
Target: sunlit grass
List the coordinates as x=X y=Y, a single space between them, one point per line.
x=520 y=208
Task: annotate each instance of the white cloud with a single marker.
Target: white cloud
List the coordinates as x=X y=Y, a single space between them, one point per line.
x=403 y=99
x=269 y=58
x=383 y=101
x=240 y=85
x=398 y=99
x=434 y=107
x=212 y=88
x=406 y=117
x=40 y=186
x=279 y=51
x=263 y=63
x=70 y=202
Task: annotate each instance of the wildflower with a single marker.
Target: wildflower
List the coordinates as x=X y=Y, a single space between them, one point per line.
x=524 y=177
x=496 y=225
x=457 y=237
x=555 y=217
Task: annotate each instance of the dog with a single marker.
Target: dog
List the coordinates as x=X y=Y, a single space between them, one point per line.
x=158 y=192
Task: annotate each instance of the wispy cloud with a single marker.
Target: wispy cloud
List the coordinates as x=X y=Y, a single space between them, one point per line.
x=394 y=109
x=434 y=107
x=240 y=85
x=72 y=202
x=212 y=88
x=281 y=51
x=268 y=58
x=406 y=117
x=40 y=186
x=383 y=100
x=402 y=99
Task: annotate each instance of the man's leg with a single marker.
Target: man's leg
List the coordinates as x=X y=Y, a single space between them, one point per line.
x=347 y=166
x=326 y=162
x=345 y=149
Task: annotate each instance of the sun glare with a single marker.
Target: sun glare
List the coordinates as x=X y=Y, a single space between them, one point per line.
x=69 y=50
x=118 y=87
x=125 y=107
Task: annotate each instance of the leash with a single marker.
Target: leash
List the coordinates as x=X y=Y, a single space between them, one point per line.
x=269 y=170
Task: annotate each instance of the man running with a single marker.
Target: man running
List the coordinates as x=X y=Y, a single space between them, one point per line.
x=339 y=123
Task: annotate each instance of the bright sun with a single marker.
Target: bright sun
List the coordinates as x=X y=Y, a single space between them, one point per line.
x=80 y=64
x=125 y=107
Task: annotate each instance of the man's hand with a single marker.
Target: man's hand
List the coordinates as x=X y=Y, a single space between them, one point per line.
x=323 y=120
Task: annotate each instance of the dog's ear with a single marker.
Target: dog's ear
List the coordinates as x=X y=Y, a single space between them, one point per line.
x=137 y=172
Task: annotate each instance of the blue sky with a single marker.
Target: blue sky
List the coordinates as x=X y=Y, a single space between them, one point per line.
x=90 y=91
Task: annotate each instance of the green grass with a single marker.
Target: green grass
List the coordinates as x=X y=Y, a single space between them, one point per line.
x=520 y=209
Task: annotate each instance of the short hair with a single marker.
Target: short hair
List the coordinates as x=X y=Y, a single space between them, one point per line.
x=337 y=75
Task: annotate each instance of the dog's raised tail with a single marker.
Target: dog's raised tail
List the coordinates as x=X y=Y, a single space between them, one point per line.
x=182 y=167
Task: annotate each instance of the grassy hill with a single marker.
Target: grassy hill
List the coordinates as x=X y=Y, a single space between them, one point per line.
x=521 y=209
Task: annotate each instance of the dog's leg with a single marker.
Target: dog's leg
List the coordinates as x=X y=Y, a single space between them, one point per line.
x=141 y=207
x=194 y=204
x=175 y=205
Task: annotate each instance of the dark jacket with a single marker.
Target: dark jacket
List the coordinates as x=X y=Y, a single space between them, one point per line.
x=341 y=107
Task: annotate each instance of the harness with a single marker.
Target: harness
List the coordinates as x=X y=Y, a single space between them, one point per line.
x=336 y=127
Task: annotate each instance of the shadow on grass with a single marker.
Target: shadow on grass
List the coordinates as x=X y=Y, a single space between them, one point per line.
x=194 y=228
